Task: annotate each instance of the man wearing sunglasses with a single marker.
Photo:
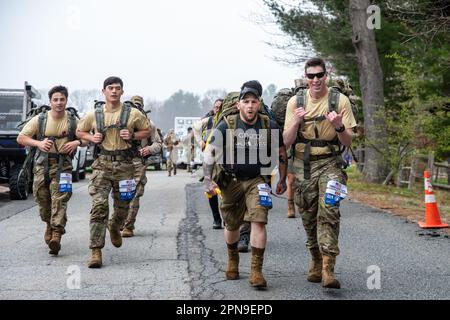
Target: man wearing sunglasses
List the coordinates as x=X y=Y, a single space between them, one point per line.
x=318 y=125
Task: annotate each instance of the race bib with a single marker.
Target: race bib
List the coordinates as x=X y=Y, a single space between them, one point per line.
x=335 y=192
x=264 y=192
x=127 y=189
x=65 y=182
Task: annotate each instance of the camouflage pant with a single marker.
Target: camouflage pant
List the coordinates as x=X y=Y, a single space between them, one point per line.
x=321 y=221
x=52 y=203
x=141 y=180
x=172 y=160
x=106 y=176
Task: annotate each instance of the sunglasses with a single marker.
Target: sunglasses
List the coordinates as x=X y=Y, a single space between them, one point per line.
x=319 y=75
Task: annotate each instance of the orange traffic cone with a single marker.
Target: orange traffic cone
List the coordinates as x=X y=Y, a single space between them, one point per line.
x=432 y=218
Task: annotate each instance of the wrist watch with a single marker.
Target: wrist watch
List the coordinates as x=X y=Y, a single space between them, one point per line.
x=341 y=129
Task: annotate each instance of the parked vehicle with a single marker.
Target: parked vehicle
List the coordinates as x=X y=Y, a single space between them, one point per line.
x=79 y=164
x=14 y=106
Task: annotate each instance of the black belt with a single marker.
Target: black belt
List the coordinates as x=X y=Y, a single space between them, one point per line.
x=320 y=157
x=117 y=157
x=125 y=152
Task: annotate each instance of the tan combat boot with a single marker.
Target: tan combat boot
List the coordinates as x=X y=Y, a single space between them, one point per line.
x=96 y=259
x=55 y=243
x=170 y=173
x=232 y=272
x=127 y=233
x=328 y=279
x=48 y=233
x=116 y=237
x=291 y=209
x=256 y=276
x=315 y=266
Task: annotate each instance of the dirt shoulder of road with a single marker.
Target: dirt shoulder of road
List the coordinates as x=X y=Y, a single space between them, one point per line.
x=398 y=201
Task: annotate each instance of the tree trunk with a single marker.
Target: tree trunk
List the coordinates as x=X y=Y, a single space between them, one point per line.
x=448 y=171
x=371 y=82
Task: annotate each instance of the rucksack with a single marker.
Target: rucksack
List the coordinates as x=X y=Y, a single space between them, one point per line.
x=229 y=113
x=123 y=119
x=229 y=108
x=280 y=101
x=333 y=105
x=279 y=105
x=42 y=113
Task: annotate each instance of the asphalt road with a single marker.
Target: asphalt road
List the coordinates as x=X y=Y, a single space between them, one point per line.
x=177 y=255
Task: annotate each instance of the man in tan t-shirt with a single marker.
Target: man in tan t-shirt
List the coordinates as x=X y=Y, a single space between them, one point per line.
x=114 y=166
x=55 y=146
x=171 y=141
x=317 y=135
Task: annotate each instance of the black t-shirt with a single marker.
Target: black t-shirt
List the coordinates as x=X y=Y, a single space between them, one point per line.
x=250 y=149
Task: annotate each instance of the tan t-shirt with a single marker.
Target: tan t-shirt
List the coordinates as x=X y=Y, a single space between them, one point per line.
x=54 y=127
x=325 y=129
x=112 y=140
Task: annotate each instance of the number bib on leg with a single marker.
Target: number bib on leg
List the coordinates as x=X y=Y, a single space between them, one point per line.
x=335 y=192
x=127 y=189
x=264 y=191
x=65 y=182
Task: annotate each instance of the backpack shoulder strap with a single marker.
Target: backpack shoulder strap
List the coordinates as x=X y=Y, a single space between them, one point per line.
x=231 y=121
x=42 y=124
x=99 y=116
x=265 y=124
x=333 y=99
x=301 y=98
x=72 y=120
x=125 y=114
x=210 y=123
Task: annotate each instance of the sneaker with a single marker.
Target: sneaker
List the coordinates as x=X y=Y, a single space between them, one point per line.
x=244 y=239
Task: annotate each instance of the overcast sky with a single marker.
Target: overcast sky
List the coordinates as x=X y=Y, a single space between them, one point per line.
x=155 y=46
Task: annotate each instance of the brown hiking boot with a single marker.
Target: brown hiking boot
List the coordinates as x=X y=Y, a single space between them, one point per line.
x=127 y=233
x=116 y=237
x=232 y=272
x=55 y=243
x=315 y=266
x=328 y=279
x=48 y=233
x=256 y=276
x=291 y=209
x=96 y=259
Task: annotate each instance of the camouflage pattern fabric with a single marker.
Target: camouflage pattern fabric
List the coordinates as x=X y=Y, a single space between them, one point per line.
x=141 y=180
x=321 y=221
x=105 y=177
x=52 y=203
